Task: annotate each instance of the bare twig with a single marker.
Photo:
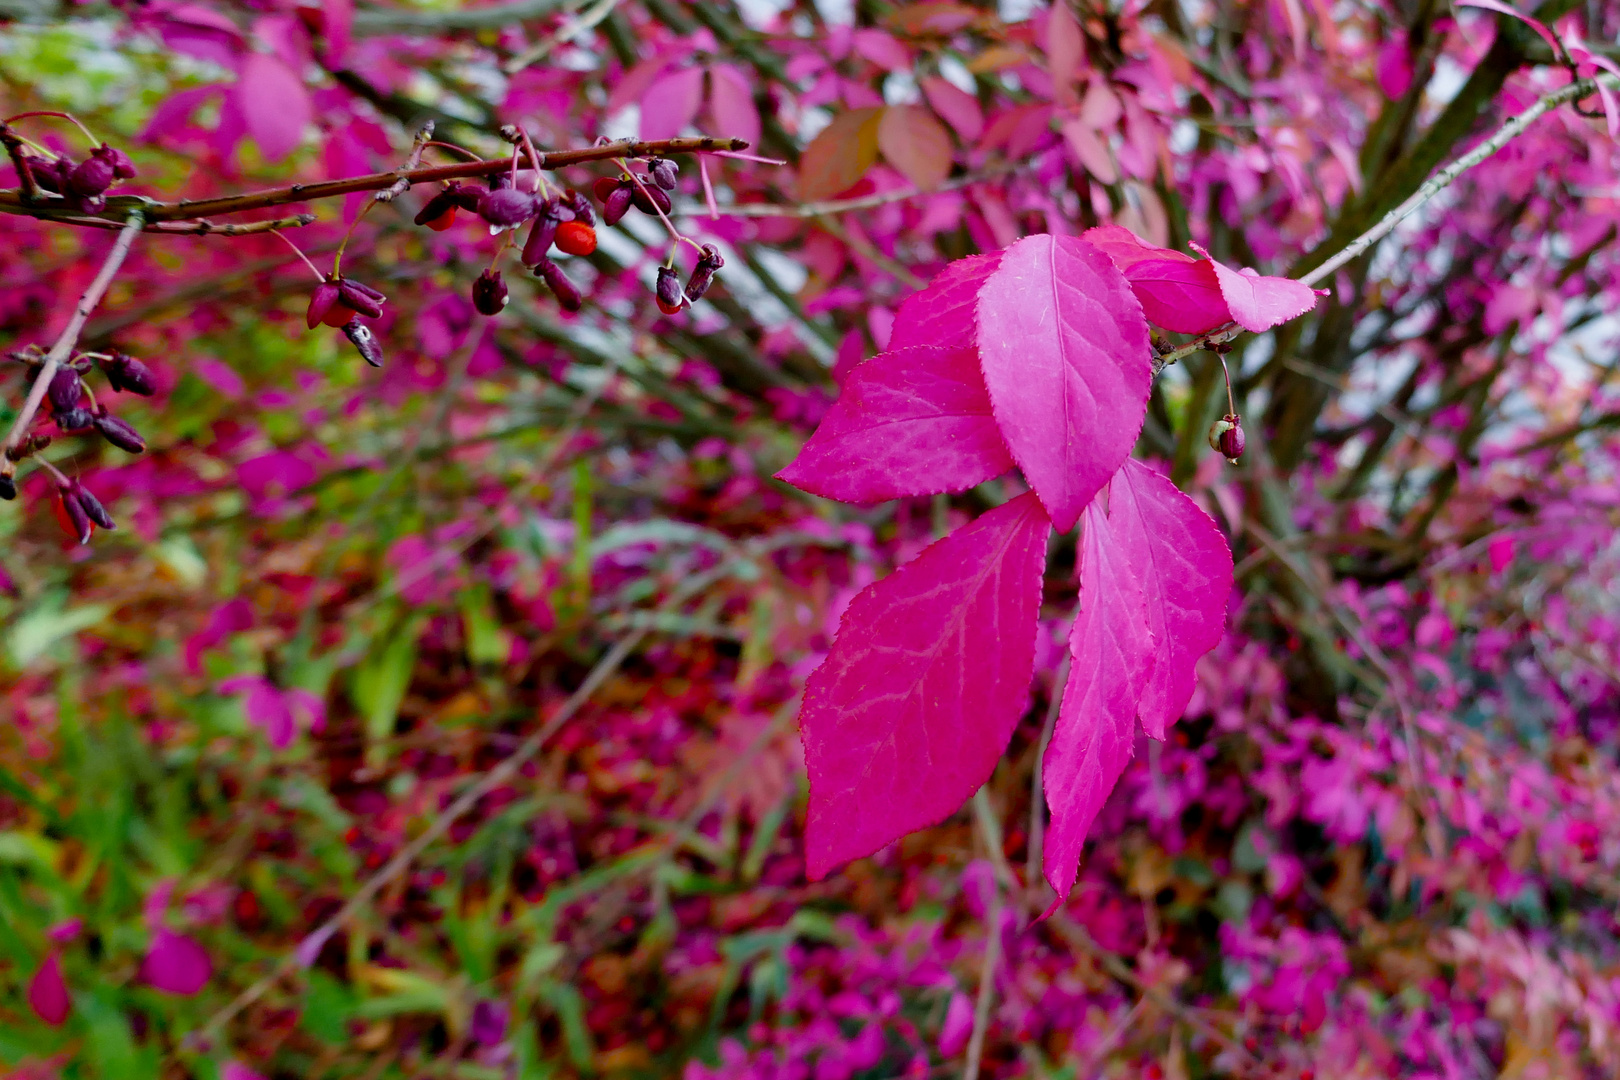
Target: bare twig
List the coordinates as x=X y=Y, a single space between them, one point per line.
x=1037 y=797
x=864 y=202
x=70 y=337
x=13 y=202
x=1430 y=188
x=573 y=28
x=419 y=146
x=1002 y=883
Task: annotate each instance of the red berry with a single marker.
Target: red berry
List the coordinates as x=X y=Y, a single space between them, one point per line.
x=576 y=238
x=443 y=221
x=669 y=309
x=339 y=314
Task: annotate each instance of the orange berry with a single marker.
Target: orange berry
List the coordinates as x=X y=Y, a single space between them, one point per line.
x=669 y=309
x=443 y=221
x=576 y=238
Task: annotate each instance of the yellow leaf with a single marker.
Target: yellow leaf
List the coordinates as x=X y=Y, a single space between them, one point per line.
x=838 y=157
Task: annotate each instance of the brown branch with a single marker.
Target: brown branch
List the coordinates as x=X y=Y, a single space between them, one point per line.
x=13 y=202
x=69 y=337
x=202 y=227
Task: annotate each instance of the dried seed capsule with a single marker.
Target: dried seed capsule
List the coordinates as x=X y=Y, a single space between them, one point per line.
x=364 y=341
x=541 y=235
x=1226 y=437
x=124 y=372
x=668 y=290
x=576 y=238
x=321 y=303
x=489 y=293
x=71 y=420
x=581 y=206
x=75 y=520
x=360 y=297
x=92 y=507
x=603 y=186
x=665 y=172
x=119 y=432
x=617 y=204
x=92 y=176
x=65 y=391
x=565 y=290
x=8 y=488
x=703 y=273
x=507 y=208
x=439 y=212
x=650 y=199
x=123 y=168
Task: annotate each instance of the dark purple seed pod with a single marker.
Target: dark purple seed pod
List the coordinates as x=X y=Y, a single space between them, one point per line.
x=446 y=199
x=124 y=372
x=466 y=198
x=123 y=168
x=617 y=204
x=47 y=174
x=581 y=206
x=119 y=433
x=92 y=507
x=8 y=488
x=71 y=420
x=703 y=273
x=66 y=390
x=540 y=239
x=566 y=292
x=360 y=297
x=668 y=290
x=664 y=172
x=489 y=294
x=92 y=176
x=1226 y=437
x=650 y=200
x=497 y=181
x=320 y=303
x=507 y=208
x=364 y=342
x=78 y=519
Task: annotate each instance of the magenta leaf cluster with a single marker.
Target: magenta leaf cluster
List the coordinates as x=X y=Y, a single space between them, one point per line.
x=1037 y=356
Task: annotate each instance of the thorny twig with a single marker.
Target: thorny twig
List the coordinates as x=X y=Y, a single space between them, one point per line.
x=70 y=337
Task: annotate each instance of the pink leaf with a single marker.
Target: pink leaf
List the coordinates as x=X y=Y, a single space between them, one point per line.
x=1185 y=565
x=1126 y=249
x=1258 y=303
x=48 y=993
x=1092 y=152
x=671 y=103
x=916 y=144
x=1112 y=650
x=956 y=107
x=914 y=421
x=273 y=103
x=176 y=964
x=1502 y=9
x=731 y=104
x=945 y=314
x=923 y=687
x=1183 y=296
x=236 y=1071
x=1065 y=53
x=1065 y=352
x=958 y=1025
x=337 y=25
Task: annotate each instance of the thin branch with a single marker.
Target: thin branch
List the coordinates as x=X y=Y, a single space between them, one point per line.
x=376 y=22
x=69 y=338
x=573 y=28
x=864 y=202
x=990 y=830
x=1037 y=797
x=13 y=202
x=1429 y=189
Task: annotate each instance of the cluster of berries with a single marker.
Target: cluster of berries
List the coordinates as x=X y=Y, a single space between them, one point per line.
x=83 y=184
x=564 y=220
x=75 y=410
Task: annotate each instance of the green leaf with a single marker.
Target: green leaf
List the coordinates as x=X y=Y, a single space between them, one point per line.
x=34 y=633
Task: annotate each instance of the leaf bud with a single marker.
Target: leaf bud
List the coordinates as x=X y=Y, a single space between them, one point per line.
x=664 y=172
x=703 y=273
x=124 y=372
x=65 y=391
x=668 y=290
x=364 y=341
x=489 y=293
x=1226 y=437
x=566 y=292
x=119 y=432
